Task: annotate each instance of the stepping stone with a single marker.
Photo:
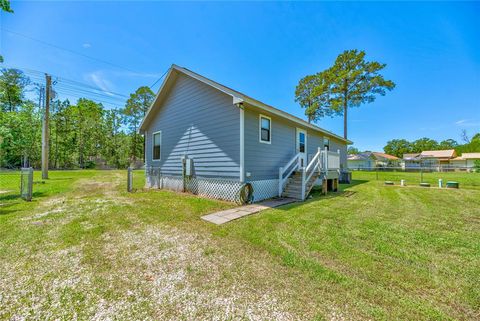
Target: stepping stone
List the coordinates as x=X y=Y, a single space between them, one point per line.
x=234 y=213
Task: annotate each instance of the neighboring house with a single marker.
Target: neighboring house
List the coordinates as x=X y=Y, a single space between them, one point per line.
x=466 y=161
x=411 y=161
x=437 y=159
x=371 y=160
x=209 y=139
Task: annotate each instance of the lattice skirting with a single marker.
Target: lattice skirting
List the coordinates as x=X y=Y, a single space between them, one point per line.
x=217 y=188
x=264 y=189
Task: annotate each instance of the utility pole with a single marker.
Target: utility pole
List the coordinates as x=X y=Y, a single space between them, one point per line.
x=45 y=130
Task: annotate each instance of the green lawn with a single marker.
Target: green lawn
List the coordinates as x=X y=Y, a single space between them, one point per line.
x=466 y=180
x=85 y=248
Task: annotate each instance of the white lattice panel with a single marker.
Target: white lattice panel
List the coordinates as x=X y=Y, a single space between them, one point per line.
x=264 y=189
x=208 y=187
x=173 y=183
x=215 y=188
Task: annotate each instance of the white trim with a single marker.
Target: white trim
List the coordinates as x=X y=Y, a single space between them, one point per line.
x=153 y=145
x=260 y=116
x=297 y=144
x=328 y=142
x=242 y=143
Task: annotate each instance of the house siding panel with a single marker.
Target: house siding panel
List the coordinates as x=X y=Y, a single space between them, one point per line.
x=200 y=121
x=263 y=161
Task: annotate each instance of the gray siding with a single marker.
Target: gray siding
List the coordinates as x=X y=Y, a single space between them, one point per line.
x=200 y=121
x=262 y=161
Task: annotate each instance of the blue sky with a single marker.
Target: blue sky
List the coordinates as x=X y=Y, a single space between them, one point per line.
x=432 y=52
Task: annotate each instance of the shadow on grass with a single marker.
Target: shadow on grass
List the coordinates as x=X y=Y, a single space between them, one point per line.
x=316 y=194
x=15 y=199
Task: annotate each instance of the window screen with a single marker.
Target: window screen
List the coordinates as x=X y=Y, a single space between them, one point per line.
x=157 y=137
x=265 y=126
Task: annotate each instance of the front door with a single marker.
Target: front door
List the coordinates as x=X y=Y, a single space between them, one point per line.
x=302 y=145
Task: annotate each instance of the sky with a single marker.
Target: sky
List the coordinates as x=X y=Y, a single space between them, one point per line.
x=432 y=52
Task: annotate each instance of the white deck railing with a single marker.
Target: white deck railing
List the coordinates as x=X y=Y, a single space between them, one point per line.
x=333 y=160
x=292 y=165
x=323 y=161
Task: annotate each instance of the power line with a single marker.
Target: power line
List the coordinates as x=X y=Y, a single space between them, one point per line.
x=39 y=76
x=159 y=78
x=67 y=50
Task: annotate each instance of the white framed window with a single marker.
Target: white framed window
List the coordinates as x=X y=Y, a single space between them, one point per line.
x=326 y=143
x=301 y=141
x=156 y=145
x=265 y=129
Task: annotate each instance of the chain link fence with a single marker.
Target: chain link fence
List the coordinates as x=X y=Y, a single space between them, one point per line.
x=465 y=177
x=16 y=184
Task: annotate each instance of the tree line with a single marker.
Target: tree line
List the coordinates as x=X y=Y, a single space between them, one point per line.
x=83 y=134
x=399 y=147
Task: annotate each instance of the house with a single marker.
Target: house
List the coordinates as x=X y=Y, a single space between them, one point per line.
x=371 y=160
x=437 y=159
x=466 y=161
x=208 y=139
x=411 y=161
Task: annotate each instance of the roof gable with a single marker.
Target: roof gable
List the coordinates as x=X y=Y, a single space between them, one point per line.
x=237 y=98
x=448 y=153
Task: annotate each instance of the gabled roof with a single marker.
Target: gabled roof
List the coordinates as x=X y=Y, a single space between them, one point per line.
x=237 y=97
x=371 y=155
x=447 y=153
x=466 y=156
x=359 y=156
x=383 y=155
x=411 y=156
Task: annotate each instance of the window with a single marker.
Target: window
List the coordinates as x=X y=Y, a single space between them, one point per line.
x=301 y=142
x=326 y=143
x=265 y=129
x=157 y=142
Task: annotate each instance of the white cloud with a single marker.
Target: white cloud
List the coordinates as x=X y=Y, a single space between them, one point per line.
x=100 y=81
x=467 y=123
x=86 y=45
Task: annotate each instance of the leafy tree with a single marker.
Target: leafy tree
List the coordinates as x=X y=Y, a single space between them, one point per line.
x=135 y=109
x=12 y=89
x=476 y=164
x=398 y=147
x=350 y=82
x=5 y=6
x=423 y=144
x=448 y=144
x=353 y=150
x=472 y=146
x=19 y=133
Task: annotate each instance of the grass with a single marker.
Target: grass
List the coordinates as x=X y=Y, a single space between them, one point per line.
x=85 y=248
x=466 y=180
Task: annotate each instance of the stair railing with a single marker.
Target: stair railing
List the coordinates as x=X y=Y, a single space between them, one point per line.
x=315 y=165
x=292 y=165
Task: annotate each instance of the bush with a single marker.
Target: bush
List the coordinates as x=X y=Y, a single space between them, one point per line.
x=476 y=165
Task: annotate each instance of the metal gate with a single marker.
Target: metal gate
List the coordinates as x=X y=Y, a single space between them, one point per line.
x=15 y=184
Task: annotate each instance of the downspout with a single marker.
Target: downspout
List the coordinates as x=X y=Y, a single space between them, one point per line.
x=242 y=144
x=239 y=103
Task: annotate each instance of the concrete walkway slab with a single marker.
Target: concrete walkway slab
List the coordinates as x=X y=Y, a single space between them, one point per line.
x=238 y=212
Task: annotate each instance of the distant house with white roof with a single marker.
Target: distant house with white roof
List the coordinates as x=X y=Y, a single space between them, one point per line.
x=370 y=160
x=466 y=160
